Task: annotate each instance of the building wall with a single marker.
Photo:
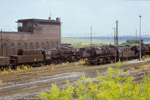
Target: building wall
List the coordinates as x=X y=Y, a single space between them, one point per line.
x=45 y=36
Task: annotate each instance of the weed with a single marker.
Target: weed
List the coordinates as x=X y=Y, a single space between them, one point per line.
x=111 y=86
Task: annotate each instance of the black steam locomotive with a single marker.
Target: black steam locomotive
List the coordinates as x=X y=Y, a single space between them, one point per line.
x=108 y=54
x=39 y=56
x=95 y=55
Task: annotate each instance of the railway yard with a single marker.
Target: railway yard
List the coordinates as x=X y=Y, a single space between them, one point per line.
x=92 y=51
x=25 y=84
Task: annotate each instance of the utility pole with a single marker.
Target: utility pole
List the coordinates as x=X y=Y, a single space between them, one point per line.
x=1 y=44
x=114 y=35
x=91 y=35
x=136 y=34
x=140 y=36
x=50 y=16
x=115 y=42
x=117 y=33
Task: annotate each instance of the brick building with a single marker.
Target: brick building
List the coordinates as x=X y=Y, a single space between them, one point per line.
x=32 y=34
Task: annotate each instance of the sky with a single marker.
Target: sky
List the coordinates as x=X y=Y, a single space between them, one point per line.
x=77 y=16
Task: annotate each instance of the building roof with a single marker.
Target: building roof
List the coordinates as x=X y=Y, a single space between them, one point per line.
x=39 y=20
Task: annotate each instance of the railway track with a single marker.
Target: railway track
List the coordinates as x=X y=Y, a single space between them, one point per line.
x=34 y=86
x=29 y=89
x=35 y=74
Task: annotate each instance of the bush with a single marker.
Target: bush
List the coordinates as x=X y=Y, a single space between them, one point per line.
x=111 y=86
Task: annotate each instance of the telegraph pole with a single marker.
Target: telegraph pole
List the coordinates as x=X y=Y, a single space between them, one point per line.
x=116 y=38
x=114 y=35
x=140 y=36
x=1 y=44
x=117 y=33
x=136 y=34
x=115 y=42
x=91 y=35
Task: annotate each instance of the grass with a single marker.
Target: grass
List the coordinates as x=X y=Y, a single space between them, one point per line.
x=78 y=43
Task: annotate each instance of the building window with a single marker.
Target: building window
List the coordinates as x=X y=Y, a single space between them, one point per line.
x=12 y=49
x=42 y=45
x=5 y=50
x=30 y=24
x=12 y=45
x=31 y=45
x=19 y=46
x=20 y=25
x=47 y=45
x=36 y=45
x=57 y=44
x=25 y=45
x=52 y=44
x=36 y=24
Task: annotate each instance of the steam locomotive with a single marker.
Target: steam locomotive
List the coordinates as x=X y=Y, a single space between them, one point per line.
x=96 y=55
x=37 y=57
x=108 y=54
